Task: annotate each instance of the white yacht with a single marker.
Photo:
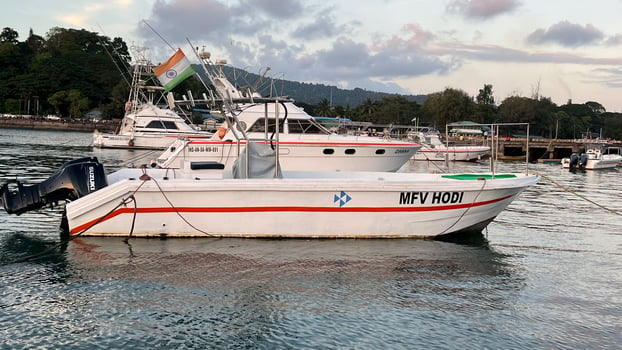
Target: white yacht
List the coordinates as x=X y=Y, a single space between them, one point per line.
x=304 y=144
x=146 y=124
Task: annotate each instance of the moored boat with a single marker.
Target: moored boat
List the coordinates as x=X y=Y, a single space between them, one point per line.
x=434 y=149
x=148 y=127
x=595 y=157
x=203 y=199
x=304 y=143
x=147 y=124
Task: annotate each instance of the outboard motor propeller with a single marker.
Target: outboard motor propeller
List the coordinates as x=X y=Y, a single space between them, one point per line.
x=73 y=180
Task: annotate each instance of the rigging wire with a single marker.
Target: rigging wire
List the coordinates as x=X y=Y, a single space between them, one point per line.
x=158 y=34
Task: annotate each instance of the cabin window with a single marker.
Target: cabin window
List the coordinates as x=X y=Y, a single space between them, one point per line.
x=159 y=124
x=380 y=151
x=169 y=124
x=260 y=126
x=350 y=151
x=329 y=151
x=303 y=126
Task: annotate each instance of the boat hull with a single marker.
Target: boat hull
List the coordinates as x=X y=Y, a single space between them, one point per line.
x=144 y=141
x=467 y=154
x=374 y=205
x=319 y=155
x=596 y=164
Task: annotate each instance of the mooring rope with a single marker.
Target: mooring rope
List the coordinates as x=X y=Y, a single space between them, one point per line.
x=577 y=194
x=467 y=209
x=177 y=211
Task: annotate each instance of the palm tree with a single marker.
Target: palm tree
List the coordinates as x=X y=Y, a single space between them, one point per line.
x=324 y=109
x=368 y=107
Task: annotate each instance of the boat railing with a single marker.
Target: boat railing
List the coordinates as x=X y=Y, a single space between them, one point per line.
x=493 y=137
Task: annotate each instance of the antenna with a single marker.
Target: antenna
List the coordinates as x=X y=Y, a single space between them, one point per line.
x=158 y=34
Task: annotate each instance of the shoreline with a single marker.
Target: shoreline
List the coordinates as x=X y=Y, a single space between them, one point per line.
x=40 y=123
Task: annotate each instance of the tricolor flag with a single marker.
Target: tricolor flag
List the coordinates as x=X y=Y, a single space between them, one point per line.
x=174 y=71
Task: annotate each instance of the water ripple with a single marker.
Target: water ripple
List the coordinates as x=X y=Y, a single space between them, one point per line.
x=545 y=274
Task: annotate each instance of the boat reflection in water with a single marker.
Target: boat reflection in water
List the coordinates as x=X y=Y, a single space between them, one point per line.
x=398 y=272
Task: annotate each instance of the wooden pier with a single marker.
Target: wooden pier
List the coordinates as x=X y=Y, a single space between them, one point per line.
x=63 y=124
x=542 y=148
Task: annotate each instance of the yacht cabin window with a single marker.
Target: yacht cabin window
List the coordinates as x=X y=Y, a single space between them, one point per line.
x=260 y=126
x=161 y=124
x=295 y=126
x=303 y=126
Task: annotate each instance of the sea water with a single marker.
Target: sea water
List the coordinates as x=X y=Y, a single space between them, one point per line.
x=546 y=274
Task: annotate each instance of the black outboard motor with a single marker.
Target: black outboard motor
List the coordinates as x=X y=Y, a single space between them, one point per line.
x=582 y=161
x=73 y=180
x=574 y=161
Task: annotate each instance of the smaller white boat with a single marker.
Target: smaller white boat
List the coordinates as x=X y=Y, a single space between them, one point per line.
x=148 y=127
x=433 y=148
x=147 y=124
x=594 y=158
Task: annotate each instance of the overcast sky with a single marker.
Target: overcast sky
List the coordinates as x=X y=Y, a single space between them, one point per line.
x=562 y=49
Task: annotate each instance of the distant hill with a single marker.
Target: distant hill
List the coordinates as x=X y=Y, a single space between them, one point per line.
x=307 y=93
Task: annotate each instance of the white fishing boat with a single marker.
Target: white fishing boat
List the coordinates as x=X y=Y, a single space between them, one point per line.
x=303 y=142
x=594 y=158
x=434 y=149
x=146 y=123
x=202 y=199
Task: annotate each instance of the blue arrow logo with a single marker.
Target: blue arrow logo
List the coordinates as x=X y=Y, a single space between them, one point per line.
x=342 y=198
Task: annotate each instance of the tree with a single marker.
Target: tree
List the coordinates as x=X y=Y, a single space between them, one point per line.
x=596 y=107
x=613 y=125
x=324 y=109
x=517 y=109
x=9 y=35
x=58 y=101
x=78 y=103
x=395 y=110
x=449 y=106
x=485 y=97
x=367 y=108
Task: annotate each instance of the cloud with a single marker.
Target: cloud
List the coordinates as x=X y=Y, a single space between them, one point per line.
x=82 y=18
x=318 y=44
x=322 y=26
x=611 y=77
x=614 y=40
x=217 y=23
x=200 y=21
x=124 y=3
x=566 y=34
x=494 y=53
x=274 y=8
x=481 y=9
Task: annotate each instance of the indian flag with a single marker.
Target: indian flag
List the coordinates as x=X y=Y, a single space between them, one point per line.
x=174 y=71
